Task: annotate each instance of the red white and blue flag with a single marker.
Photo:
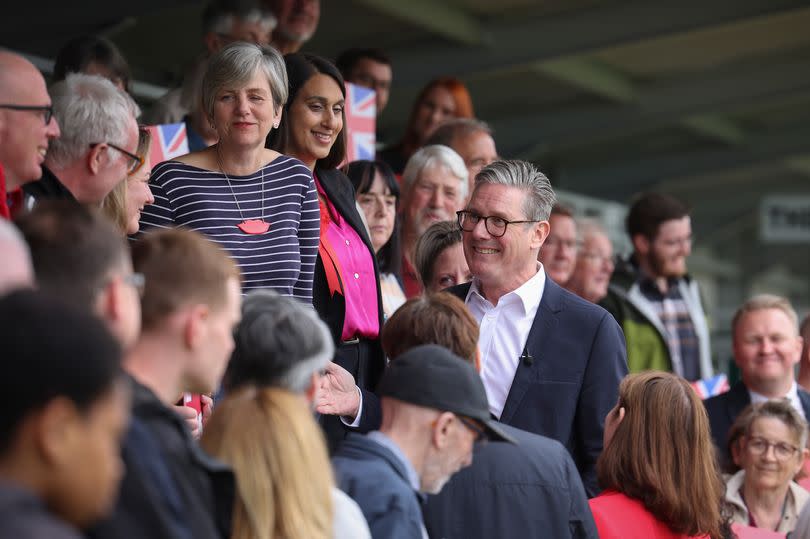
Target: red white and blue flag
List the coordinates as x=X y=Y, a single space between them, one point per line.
x=361 y=123
x=711 y=387
x=168 y=142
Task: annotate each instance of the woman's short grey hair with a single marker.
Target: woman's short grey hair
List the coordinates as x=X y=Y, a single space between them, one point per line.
x=780 y=409
x=235 y=64
x=523 y=175
x=90 y=110
x=432 y=156
x=279 y=342
x=438 y=237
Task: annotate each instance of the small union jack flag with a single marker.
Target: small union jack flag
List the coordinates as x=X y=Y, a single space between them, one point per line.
x=711 y=387
x=168 y=141
x=361 y=123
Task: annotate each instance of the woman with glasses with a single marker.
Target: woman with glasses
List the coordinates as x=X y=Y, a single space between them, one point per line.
x=127 y=200
x=346 y=289
x=770 y=452
x=657 y=467
x=377 y=193
x=259 y=205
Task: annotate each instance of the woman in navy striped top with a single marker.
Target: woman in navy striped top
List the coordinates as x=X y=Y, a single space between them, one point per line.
x=261 y=206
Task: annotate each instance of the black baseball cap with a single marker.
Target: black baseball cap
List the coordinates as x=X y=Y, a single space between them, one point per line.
x=433 y=377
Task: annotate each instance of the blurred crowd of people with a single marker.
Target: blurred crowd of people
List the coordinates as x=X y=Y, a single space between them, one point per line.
x=259 y=339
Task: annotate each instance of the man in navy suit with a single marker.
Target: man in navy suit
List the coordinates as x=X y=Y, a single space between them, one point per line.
x=767 y=346
x=551 y=362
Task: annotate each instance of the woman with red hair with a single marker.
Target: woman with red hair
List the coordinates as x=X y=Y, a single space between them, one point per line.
x=442 y=99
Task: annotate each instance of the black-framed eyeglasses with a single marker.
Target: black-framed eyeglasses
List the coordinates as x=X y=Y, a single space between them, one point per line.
x=46 y=110
x=480 y=433
x=135 y=161
x=496 y=226
x=760 y=446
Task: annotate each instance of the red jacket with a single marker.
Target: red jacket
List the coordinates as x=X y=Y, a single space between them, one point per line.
x=620 y=517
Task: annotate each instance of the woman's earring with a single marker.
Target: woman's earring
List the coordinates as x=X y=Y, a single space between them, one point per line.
x=275 y=126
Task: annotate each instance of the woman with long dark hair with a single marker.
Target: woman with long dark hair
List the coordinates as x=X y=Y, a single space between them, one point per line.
x=346 y=290
x=377 y=193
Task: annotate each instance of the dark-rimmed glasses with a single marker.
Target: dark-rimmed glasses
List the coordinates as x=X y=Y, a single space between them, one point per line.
x=480 y=433
x=496 y=226
x=760 y=446
x=135 y=161
x=46 y=110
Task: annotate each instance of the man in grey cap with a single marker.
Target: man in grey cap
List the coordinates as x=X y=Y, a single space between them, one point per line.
x=434 y=407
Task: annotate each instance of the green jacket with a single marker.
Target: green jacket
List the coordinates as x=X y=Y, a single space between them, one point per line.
x=643 y=331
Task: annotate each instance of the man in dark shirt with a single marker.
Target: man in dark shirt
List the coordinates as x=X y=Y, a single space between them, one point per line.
x=190 y=307
x=60 y=426
x=653 y=298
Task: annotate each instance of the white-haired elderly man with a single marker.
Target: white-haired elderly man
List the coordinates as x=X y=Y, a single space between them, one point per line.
x=434 y=188
x=281 y=343
x=98 y=145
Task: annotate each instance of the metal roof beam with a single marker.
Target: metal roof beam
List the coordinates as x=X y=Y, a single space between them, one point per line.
x=521 y=42
x=436 y=17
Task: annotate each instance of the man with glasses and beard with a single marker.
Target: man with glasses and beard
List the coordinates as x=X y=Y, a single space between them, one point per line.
x=97 y=147
x=653 y=298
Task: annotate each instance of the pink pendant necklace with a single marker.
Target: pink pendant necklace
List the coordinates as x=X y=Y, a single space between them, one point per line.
x=248 y=226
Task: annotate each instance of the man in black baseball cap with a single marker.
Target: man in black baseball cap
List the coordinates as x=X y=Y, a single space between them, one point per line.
x=434 y=408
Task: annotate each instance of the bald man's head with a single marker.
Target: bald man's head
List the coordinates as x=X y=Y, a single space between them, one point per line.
x=26 y=124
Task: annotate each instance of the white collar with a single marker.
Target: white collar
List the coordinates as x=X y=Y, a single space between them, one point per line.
x=792 y=395
x=529 y=293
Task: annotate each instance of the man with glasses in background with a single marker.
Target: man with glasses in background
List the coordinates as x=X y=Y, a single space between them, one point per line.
x=96 y=149
x=559 y=252
x=27 y=126
x=551 y=361
x=653 y=298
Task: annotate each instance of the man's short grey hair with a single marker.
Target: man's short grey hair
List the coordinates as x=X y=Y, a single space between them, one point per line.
x=523 y=175
x=90 y=110
x=457 y=128
x=279 y=342
x=233 y=67
x=220 y=15
x=433 y=156
x=588 y=227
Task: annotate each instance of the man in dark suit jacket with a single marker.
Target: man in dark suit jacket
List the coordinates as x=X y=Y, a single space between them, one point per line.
x=529 y=489
x=552 y=362
x=766 y=346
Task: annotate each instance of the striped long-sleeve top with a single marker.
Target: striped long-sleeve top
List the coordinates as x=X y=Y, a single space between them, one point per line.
x=283 y=258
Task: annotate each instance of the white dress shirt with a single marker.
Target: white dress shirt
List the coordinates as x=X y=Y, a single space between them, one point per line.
x=792 y=396
x=504 y=329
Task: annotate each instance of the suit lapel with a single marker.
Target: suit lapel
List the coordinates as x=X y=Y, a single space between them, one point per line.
x=738 y=400
x=543 y=329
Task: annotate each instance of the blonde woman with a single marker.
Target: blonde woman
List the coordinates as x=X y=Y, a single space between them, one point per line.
x=127 y=199
x=282 y=468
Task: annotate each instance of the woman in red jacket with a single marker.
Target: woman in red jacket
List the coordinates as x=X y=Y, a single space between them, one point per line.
x=658 y=467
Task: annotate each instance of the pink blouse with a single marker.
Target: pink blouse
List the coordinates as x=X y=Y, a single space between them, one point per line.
x=356 y=267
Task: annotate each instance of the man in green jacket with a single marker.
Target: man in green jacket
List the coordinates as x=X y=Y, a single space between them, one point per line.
x=653 y=298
